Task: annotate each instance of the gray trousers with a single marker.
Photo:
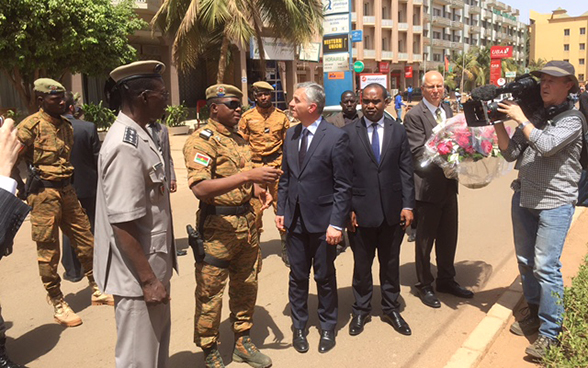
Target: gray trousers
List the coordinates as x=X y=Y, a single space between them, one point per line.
x=143 y=333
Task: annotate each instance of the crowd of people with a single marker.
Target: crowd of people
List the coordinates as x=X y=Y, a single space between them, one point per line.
x=353 y=176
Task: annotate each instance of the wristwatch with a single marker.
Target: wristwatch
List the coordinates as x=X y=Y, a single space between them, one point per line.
x=523 y=125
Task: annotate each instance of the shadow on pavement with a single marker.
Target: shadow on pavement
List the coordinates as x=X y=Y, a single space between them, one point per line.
x=35 y=343
x=182 y=244
x=271 y=247
x=78 y=301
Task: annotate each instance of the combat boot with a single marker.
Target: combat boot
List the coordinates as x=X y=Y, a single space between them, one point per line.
x=64 y=315
x=212 y=357
x=100 y=298
x=246 y=352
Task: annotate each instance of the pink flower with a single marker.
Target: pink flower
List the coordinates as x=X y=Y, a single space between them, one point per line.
x=444 y=148
x=486 y=147
x=470 y=149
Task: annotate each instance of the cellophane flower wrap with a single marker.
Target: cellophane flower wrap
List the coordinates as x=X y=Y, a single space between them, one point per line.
x=468 y=154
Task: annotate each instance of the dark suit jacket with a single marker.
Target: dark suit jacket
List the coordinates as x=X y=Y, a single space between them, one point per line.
x=381 y=191
x=322 y=186
x=584 y=104
x=338 y=120
x=84 y=157
x=431 y=185
x=12 y=213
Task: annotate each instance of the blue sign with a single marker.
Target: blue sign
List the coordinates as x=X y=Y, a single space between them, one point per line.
x=335 y=84
x=357 y=35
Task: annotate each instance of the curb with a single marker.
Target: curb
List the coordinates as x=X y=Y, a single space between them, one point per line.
x=483 y=336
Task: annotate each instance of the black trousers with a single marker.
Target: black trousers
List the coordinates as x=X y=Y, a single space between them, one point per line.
x=70 y=262
x=305 y=250
x=365 y=241
x=436 y=223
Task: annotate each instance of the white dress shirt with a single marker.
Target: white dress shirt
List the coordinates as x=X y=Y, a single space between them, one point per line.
x=433 y=110
x=380 y=127
x=311 y=131
x=8 y=184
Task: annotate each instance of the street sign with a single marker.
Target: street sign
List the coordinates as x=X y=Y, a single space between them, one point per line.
x=358 y=66
x=335 y=44
x=510 y=74
x=357 y=35
x=336 y=62
x=501 y=82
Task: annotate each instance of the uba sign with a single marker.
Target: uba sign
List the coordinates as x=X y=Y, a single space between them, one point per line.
x=500 y=52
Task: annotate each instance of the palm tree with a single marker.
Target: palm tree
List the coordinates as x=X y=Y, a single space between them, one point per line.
x=199 y=26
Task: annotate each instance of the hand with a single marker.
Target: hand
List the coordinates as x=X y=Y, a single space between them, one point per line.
x=334 y=236
x=266 y=199
x=264 y=175
x=173 y=186
x=280 y=223
x=10 y=146
x=155 y=293
x=407 y=217
x=512 y=111
x=352 y=222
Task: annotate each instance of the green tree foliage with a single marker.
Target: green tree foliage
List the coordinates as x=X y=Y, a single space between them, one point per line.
x=49 y=38
x=210 y=26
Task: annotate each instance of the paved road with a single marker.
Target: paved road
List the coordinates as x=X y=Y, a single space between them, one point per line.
x=485 y=262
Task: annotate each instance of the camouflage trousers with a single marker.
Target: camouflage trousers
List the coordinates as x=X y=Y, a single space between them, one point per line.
x=234 y=239
x=53 y=209
x=272 y=189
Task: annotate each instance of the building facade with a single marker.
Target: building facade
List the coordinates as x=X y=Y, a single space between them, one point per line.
x=558 y=36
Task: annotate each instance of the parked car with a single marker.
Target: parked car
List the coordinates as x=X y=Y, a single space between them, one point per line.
x=417 y=94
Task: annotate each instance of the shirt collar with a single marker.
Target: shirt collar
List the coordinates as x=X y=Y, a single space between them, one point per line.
x=379 y=122
x=51 y=119
x=431 y=107
x=219 y=127
x=314 y=126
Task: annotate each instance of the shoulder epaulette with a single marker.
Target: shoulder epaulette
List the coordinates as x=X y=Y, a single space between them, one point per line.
x=205 y=134
x=130 y=136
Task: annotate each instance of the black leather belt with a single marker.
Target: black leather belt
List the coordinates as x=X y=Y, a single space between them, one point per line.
x=56 y=183
x=229 y=210
x=268 y=158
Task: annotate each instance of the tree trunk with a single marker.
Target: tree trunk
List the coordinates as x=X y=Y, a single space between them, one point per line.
x=25 y=90
x=262 y=62
x=222 y=60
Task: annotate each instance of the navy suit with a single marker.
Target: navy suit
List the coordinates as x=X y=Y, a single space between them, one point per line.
x=311 y=198
x=380 y=191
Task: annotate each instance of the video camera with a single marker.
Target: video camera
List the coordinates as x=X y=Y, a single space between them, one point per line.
x=482 y=110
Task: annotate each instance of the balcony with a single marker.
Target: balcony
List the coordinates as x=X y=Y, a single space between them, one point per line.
x=456 y=4
x=402 y=56
x=417 y=57
x=370 y=20
x=441 y=21
x=456 y=25
x=387 y=23
x=417 y=2
x=500 y=6
x=456 y=46
x=148 y=6
x=353 y=16
x=488 y=33
x=403 y=26
x=426 y=41
x=388 y=55
x=441 y=43
x=426 y=18
x=417 y=29
x=490 y=3
x=474 y=9
x=486 y=14
x=475 y=29
x=441 y=2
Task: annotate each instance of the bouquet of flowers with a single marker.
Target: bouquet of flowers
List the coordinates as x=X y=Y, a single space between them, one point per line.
x=468 y=154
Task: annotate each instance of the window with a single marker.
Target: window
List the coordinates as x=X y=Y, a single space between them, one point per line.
x=566 y=32
x=567 y=60
x=582 y=61
x=581 y=77
x=582 y=31
x=437 y=12
x=436 y=35
x=436 y=57
x=566 y=47
x=582 y=46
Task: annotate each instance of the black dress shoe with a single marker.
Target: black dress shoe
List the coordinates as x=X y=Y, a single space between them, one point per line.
x=357 y=323
x=5 y=362
x=70 y=279
x=395 y=319
x=327 y=341
x=428 y=297
x=454 y=288
x=299 y=341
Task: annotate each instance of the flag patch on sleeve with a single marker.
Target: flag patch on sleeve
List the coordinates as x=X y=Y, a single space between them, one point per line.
x=202 y=159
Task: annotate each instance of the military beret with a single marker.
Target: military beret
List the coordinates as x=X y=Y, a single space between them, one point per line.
x=263 y=85
x=223 y=90
x=137 y=69
x=47 y=85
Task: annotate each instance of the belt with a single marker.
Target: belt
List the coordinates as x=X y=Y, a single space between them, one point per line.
x=268 y=158
x=56 y=183
x=229 y=210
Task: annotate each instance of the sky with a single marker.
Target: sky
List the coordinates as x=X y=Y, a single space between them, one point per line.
x=574 y=7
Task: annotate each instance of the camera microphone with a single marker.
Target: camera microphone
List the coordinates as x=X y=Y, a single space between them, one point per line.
x=484 y=93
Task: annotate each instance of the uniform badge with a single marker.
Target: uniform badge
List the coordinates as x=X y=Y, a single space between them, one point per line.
x=130 y=136
x=267 y=130
x=202 y=159
x=205 y=134
x=220 y=92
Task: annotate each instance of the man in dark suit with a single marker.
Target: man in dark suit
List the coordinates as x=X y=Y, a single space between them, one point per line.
x=12 y=212
x=584 y=103
x=436 y=198
x=349 y=113
x=381 y=207
x=84 y=158
x=314 y=196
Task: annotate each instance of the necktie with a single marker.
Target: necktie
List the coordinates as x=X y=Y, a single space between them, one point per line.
x=155 y=137
x=303 y=147
x=376 y=142
x=438 y=116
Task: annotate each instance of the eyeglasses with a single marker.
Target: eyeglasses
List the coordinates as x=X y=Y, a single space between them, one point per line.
x=232 y=105
x=430 y=88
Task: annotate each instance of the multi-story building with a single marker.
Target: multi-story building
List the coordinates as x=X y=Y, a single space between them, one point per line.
x=558 y=36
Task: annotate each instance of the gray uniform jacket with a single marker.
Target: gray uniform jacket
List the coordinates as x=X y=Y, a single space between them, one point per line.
x=131 y=187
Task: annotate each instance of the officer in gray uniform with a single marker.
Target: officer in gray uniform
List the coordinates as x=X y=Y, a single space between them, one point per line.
x=134 y=253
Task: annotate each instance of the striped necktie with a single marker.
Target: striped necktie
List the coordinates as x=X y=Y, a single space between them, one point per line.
x=438 y=116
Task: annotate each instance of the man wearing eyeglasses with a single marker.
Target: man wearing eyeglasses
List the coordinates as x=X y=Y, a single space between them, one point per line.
x=436 y=198
x=222 y=177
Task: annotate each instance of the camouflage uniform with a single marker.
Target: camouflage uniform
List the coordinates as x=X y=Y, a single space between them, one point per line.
x=48 y=142
x=230 y=238
x=265 y=132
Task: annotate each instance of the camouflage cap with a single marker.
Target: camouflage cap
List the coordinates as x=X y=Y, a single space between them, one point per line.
x=138 y=69
x=263 y=85
x=47 y=85
x=223 y=90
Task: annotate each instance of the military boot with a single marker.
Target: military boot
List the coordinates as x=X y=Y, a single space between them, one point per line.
x=64 y=315
x=100 y=298
x=212 y=357
x=246 y=352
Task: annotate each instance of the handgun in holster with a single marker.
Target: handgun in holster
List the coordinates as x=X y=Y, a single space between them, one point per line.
x=34 y=183
x=196 y=240
x=196 y=243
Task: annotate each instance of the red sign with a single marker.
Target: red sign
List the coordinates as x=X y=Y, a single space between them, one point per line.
x=500 y=52
x=384 y=67
x=495 y=71
x=408 y=72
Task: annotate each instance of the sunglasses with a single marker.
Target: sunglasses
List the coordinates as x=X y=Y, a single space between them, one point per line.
x=232 y=105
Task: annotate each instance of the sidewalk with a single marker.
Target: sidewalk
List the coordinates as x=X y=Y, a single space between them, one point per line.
x=491 y=344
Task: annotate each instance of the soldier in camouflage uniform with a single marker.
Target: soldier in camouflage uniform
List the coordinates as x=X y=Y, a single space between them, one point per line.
x=48 y=139
x=264 y=127
x=221 y=176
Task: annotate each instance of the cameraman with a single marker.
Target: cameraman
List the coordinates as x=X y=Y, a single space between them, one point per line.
x=547 y=149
